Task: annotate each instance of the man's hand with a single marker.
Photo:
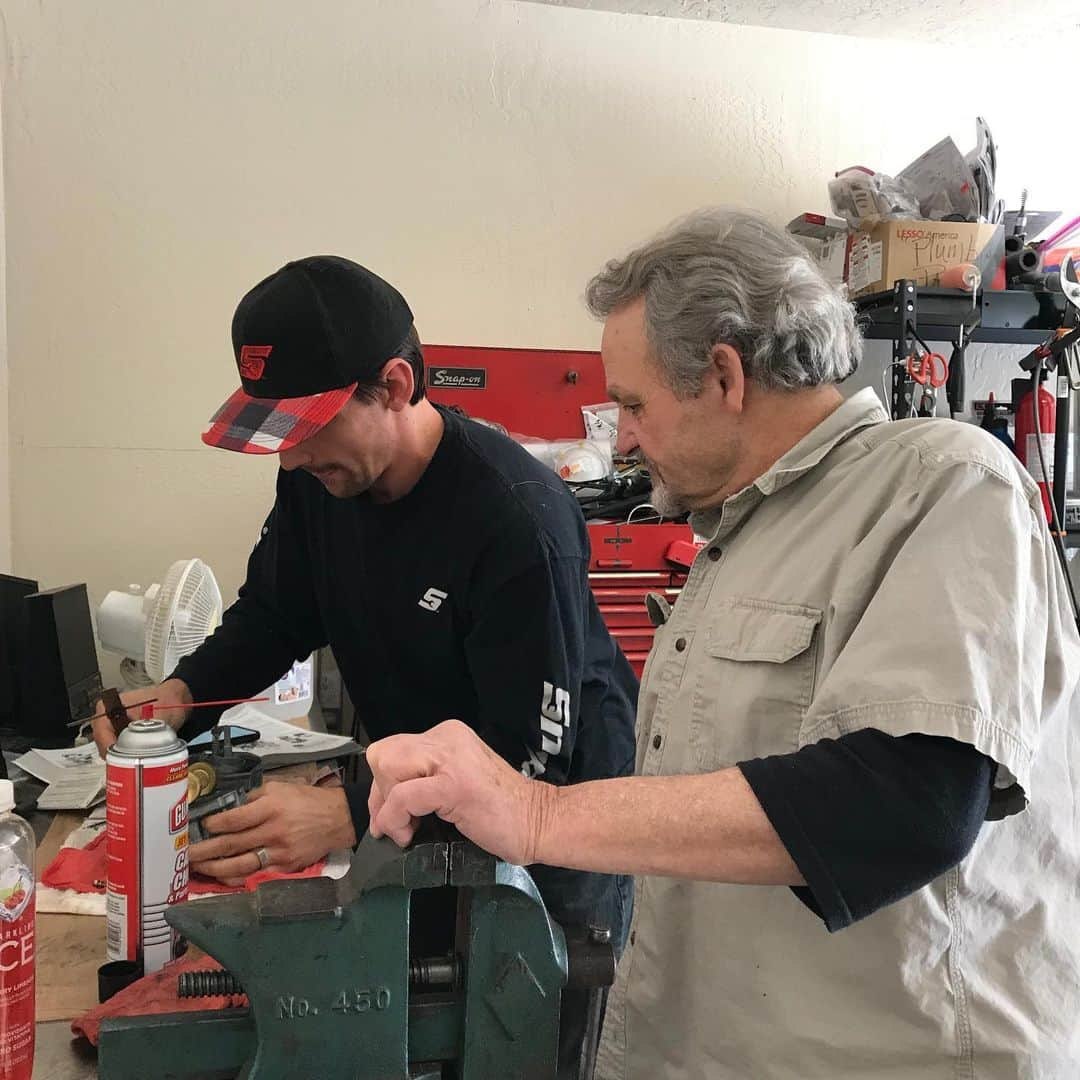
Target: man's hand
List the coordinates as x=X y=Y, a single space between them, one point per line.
x=705 y=827
x=171 y=692
x=296 y=823
x=451 y=772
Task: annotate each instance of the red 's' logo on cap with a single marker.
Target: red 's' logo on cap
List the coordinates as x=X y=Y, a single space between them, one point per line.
x=253 y=360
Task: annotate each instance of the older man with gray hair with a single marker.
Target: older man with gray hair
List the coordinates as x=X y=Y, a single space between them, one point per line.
x=873 y=656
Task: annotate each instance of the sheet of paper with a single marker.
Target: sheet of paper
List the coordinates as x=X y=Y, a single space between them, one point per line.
x=76 y=791
x=281 y=737
x=65 y=763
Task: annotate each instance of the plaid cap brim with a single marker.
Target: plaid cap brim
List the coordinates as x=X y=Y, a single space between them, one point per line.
x=253 y=425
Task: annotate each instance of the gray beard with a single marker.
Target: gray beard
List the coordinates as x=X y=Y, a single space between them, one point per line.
x=666 y=501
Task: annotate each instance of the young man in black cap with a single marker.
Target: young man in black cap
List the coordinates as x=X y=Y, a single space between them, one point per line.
x=444 y=566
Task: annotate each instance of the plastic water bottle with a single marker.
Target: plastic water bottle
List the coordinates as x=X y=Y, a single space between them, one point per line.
x=16 y=940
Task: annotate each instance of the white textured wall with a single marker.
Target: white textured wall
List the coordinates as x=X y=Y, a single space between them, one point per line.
x=5 y=432
x=1019 y=23
x=160 y=157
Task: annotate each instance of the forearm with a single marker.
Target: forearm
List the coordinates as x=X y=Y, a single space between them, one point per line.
x=706 y=827
x=869 y=818
x=174 y=691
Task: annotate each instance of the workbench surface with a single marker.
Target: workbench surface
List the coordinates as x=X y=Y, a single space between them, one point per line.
x=59 y=1057
x=70 y=949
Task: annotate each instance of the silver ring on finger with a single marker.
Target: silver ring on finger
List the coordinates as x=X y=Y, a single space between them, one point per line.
x=263 y=856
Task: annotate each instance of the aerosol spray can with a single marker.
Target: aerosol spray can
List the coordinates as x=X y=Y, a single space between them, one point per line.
x=146 y=811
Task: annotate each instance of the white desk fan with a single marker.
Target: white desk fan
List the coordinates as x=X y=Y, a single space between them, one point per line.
x=152 y=630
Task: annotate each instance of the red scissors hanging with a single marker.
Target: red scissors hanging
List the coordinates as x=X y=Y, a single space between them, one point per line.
x=928 y=369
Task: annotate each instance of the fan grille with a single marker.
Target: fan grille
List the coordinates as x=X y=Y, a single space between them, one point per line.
x=186 y=612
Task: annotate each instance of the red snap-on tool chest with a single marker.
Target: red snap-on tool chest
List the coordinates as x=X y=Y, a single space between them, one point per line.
x=540 y=392
x=629 y=562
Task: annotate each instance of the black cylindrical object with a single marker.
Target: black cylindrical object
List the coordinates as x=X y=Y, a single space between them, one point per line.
x=1024 y=261
x=1013 y=243
x=115 y=975
x=589 y=963
x=956 y=383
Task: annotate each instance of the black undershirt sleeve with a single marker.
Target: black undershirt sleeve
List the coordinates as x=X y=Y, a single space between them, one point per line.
x=274 y=621
x=869 y=818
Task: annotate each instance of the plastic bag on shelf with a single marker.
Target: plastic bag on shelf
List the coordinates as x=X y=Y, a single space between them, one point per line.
x=863 y=197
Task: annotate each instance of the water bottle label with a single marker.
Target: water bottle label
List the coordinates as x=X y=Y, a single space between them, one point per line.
x=16 y=971
x=16 y=891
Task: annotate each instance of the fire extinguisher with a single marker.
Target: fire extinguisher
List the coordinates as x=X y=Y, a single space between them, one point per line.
x=1027 y=446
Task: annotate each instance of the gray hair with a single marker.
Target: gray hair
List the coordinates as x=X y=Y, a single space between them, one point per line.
x=731 y=277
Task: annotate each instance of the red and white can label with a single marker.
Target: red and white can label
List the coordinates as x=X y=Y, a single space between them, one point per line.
x=146 y=854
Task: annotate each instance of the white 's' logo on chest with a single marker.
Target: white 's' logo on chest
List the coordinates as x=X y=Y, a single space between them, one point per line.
x=432 y=599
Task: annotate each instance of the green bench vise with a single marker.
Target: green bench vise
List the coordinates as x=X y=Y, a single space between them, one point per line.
x=334 y=994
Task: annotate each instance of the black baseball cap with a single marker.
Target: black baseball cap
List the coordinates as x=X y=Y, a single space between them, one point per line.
x=303 y=339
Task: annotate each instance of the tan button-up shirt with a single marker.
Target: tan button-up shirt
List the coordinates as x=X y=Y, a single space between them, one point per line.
x=896 y=576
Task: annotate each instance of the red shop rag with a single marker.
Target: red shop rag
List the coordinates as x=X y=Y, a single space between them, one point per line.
x=153 y=995
x=84 y=870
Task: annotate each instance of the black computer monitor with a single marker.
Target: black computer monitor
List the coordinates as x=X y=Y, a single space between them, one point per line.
x=13 y=594
x=61 y=681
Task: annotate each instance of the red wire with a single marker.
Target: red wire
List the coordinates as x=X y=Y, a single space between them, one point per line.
x=202 y=704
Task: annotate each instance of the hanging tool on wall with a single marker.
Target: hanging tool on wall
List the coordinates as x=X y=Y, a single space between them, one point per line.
x=912 y=369
x=931 y=371
x=956 y=384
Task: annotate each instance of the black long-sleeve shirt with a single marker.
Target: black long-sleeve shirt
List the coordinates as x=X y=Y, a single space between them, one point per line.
x=869 y=818
x=468 y=598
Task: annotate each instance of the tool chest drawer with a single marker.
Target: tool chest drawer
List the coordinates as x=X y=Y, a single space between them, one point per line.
x=618 y=596
x=619 y=616
x=629 y=562
x=633 y=639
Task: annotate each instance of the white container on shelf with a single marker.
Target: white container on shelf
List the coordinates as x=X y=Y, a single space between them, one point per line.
x=291 y=696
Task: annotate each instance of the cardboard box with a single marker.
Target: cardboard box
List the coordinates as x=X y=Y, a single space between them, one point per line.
x=921 y=251
x=826 y=238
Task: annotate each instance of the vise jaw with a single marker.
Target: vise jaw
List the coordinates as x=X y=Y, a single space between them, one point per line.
x=326 y=969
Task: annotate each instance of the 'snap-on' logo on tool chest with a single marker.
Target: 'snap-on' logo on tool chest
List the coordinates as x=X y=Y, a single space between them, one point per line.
x=458 y=378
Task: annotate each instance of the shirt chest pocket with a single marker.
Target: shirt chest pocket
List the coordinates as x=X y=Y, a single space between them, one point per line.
x=754 y=681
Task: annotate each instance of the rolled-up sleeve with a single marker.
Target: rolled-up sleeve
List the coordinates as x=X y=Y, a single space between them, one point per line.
x=926 y=648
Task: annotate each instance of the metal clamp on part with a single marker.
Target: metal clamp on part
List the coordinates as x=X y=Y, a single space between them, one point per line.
x=333 y=991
